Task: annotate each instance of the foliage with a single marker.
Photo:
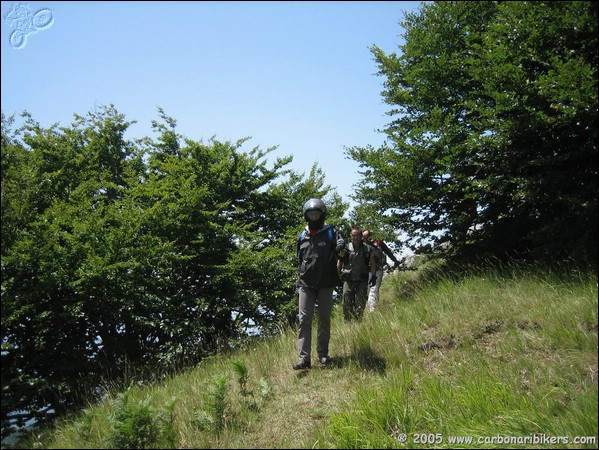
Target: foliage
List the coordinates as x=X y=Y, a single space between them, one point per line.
x=140 y=426
x=493 y=143
x=241 y=370
x=217 y=402
x=138 y=257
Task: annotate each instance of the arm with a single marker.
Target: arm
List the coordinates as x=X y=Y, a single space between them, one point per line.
x=340 y=244
x=388 y=252
x=372 y=280
x=298 y=253
x=372 y=265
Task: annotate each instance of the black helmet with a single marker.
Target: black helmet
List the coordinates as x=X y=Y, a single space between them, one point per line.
x=314 y=204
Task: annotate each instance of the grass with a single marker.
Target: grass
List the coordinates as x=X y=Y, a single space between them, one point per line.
x=507 y=359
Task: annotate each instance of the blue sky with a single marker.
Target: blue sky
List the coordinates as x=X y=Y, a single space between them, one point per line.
x=297 y=75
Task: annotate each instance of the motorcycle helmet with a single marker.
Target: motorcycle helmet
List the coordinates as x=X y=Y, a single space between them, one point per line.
x=315 y=211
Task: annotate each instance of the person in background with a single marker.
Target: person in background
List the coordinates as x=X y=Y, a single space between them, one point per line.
x=380 y=249
x=318 y=247
x=356 y=263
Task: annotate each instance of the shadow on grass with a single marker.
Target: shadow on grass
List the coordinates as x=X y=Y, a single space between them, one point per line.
x=366 y=358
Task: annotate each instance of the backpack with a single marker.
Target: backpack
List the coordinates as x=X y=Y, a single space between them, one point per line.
x=378 y=254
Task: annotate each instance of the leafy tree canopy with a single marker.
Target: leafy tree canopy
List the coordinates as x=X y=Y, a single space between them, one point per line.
x=124 y=259
x=492 y=147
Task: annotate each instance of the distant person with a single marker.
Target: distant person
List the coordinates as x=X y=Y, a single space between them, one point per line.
x=380 y=249
x=356 y=264
x=317 y=250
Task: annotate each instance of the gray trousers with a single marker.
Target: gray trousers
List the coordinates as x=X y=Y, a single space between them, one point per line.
x=310 y=300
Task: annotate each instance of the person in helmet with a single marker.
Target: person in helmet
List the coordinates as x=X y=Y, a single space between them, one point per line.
x=317 y=248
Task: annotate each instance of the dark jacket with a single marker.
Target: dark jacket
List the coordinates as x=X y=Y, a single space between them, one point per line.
x=317 y=258
x=356 y=264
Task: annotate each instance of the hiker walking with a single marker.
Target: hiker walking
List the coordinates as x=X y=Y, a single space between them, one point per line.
x=317 y=250
x=356 y=264
x=380 y=249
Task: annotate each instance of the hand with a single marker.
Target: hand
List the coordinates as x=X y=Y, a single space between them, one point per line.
x=372 y=281
x=340 y=245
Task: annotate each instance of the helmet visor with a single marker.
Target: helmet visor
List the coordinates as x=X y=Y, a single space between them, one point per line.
x=314 y=215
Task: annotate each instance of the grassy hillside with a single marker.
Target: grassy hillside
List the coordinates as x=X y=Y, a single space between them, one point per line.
x=508 y=360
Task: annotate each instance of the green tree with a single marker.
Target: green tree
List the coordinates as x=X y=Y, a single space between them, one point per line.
x=126 y=259
x=493 y=143
x=59 y=188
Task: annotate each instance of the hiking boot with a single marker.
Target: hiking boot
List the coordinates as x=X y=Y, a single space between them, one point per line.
x=325 y=360
x=302 y=364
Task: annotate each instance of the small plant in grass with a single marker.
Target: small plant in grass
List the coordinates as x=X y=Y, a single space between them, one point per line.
x=203 y=420
x=243 y=376
x=266 y=389
x=134 y=426
x=167 y=420
x=213 y=417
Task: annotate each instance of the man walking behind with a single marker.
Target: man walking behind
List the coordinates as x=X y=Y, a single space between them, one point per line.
x=355 y=265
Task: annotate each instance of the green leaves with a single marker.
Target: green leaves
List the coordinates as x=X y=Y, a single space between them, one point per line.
x=492 y=146
x=141 y=257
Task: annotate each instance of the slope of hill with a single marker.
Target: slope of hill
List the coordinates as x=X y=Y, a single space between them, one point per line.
x=500 y=359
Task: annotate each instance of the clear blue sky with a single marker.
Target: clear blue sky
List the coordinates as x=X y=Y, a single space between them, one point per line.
x=297 y=75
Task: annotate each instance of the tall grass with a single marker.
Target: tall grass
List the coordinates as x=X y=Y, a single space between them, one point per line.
x=489 y=355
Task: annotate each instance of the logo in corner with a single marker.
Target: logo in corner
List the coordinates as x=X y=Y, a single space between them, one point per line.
x=25 y=23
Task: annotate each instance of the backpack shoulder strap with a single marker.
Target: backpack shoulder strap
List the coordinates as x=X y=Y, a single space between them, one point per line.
x=331 y=234
x=332 y=242
x=299 y=243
